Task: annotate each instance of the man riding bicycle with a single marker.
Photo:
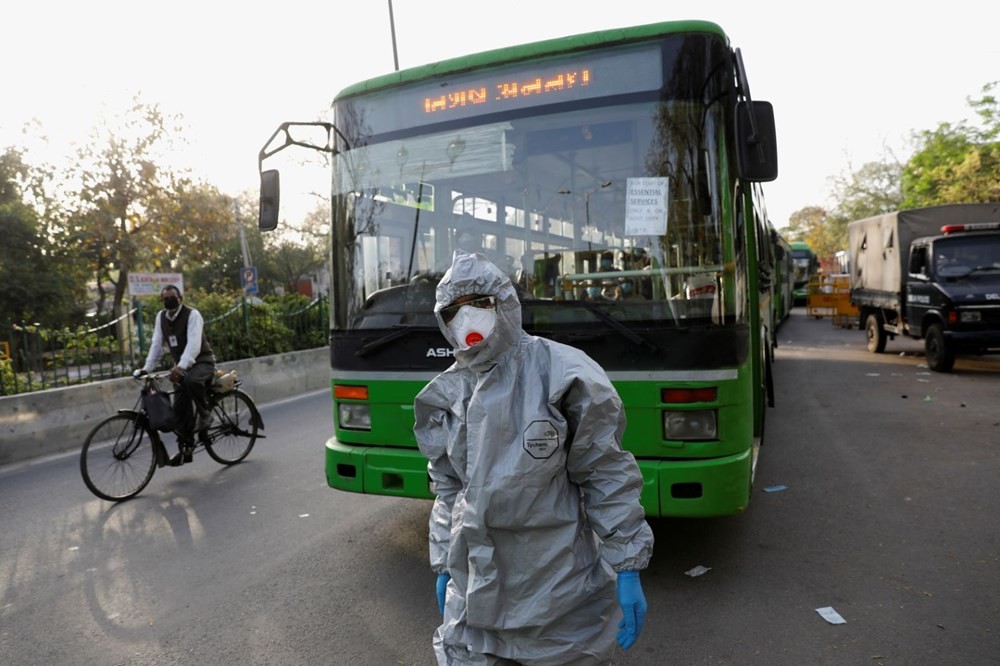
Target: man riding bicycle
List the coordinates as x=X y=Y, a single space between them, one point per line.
x=181 y=329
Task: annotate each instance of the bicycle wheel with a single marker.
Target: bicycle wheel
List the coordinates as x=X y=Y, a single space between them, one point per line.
x=118 y=458
x=234 y=430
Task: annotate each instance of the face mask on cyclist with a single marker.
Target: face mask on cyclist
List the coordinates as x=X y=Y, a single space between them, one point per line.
x=171 y=302
x=472 y=325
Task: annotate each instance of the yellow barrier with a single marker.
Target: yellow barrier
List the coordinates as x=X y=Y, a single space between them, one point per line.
x=830 y=296
x=4 y=350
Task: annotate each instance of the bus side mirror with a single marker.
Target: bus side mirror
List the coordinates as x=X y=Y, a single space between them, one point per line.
x=270 y=195
x=757 y=150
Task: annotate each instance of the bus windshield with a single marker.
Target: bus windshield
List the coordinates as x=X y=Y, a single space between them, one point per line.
x=607 y=203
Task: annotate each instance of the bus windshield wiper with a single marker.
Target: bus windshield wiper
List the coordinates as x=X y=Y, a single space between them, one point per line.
x=400 y=331
x=625 y=331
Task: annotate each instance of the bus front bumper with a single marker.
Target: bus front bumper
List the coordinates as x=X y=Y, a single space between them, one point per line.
x=377 y=470
x=674 y=488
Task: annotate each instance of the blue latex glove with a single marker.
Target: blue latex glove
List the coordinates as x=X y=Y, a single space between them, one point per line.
x=442 y=586
x=633 y=603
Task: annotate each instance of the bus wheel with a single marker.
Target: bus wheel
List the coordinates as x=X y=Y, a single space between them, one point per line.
x=940 y=355
x=876 y=334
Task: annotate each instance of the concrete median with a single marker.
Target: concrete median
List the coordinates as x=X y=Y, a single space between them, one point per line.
x=55 y=420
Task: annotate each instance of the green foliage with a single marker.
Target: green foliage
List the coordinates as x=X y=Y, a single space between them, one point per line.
x=280 y=260
x=812 y=225
x=7 y=383
x=190 y=222
x=236 y=328
x=12 y=381
x=953 y=163
x=35 y=286
x=221 y=266
x=957 y=162
x=242 y=328
x=120 y=199
x=118 y=208
x=872 y=190
x=307 y=318
x=44 y=357
x=302 y=250
x=13 y=170
x=933 y=169
x=290 y=261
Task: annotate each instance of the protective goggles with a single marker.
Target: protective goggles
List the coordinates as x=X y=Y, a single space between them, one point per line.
x=483 y=303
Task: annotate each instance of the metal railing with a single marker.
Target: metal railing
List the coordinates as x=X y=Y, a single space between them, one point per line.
x=33 y=358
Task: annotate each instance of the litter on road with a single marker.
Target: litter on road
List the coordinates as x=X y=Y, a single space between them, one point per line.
x=830 y=615
x=697 y=571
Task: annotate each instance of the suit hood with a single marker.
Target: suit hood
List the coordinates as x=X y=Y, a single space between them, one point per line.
x=473 y=273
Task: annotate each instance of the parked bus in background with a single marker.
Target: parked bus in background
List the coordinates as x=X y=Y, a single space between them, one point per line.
x=784 y=278
x=806 y=269
x=615 y=176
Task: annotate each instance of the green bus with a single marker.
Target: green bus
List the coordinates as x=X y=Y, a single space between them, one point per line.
x=616 y=177
x=805 y=265
x=784 y=278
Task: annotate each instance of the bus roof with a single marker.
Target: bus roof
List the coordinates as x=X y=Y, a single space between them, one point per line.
x=801 y=245
x=545 y=48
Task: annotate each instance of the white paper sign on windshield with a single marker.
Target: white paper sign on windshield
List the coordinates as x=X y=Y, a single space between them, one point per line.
x=646 y=206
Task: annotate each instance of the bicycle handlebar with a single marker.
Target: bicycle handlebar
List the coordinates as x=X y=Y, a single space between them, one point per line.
x=152 y=379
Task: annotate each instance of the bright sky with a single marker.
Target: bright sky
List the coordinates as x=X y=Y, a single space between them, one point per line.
x=846 y=78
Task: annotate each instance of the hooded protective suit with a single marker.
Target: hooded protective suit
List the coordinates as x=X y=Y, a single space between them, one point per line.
x=537 y=503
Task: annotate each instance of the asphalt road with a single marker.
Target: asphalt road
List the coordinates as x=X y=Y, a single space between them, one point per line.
x=888 y=515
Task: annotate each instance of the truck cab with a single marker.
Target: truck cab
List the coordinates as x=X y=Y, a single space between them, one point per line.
x=931 y=274
x=952 y=292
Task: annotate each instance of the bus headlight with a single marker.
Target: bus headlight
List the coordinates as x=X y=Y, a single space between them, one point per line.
x=970 y=316
x=690 y=425
x=354 y=416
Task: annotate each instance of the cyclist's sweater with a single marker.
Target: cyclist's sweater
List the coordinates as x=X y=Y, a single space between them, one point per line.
x=177 y=331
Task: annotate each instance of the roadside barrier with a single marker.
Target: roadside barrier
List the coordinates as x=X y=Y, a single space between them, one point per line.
x=54 y=420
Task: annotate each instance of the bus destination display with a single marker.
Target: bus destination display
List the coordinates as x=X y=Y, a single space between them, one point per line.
x=508 y=90
x=589 y=76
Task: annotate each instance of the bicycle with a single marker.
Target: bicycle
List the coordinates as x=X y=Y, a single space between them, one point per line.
x=123 y=451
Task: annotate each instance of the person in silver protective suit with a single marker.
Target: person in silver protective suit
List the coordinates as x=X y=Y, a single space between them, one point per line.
x=537 y=526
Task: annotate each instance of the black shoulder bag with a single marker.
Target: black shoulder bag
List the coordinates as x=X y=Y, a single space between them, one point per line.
x=159 y=410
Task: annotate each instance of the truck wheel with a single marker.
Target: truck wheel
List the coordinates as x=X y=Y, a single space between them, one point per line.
x=876 y=335
x=940 y=355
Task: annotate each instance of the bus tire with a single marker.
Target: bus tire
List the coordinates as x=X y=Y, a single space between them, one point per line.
x=876 y=334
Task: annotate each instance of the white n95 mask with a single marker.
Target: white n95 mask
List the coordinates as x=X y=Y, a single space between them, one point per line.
x=472 y=325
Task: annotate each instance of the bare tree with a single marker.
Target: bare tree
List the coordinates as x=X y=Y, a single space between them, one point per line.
x=121 y=183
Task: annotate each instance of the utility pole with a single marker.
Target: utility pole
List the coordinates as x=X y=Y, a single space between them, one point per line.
x=392 y=28
x=243 y=236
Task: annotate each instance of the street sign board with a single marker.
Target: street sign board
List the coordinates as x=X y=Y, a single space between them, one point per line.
x=150 y=284
x=249 y=279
